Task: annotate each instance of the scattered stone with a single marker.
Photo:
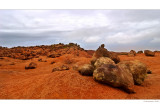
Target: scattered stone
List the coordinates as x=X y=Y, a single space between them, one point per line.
x=62 y=68
x=86 y=69
x=137 y=69
x=53 y=62
x=149 y=53
x=55 y=69
x=42 y=60
x=149 y=72
x=32 y=65
x=12 y=63
x=114 y=76
x=1 y=57
x=54 y=55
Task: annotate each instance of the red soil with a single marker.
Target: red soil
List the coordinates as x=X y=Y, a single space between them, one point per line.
x=42 y=83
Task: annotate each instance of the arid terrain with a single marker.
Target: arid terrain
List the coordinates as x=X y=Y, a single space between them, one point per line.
x=16 y=82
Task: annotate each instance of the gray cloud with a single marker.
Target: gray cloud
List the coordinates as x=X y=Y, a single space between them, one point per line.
x=119 y=30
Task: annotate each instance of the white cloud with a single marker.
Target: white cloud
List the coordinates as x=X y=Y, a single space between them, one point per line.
x=92 y=39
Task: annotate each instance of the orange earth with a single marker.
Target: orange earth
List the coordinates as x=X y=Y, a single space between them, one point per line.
x=41 y=83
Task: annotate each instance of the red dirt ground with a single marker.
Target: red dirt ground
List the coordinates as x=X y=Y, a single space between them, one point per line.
x=42 y=83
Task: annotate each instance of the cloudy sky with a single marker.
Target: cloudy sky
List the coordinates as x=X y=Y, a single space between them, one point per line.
x=119 y=30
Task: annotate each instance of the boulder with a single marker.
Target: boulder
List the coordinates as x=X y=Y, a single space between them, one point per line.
x=61 y=68
x=149 y=71
x=149 y=53
x=42 y=60
x=53 y=62
x=32 y=65
x=132 y=53
x=64 y=67
x=103 y=60
x=139 y=52
x=115 y=76
x=137 y=69
x=86 y=69
x=114 y=57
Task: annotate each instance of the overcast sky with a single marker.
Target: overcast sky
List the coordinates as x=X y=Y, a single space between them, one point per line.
x=119 y=30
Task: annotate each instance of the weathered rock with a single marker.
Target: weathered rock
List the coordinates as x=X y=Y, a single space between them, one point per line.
x=115 y=76
x=32 y=65
x=114 y=57
x=56 y=69
x=62 y=68
x=12 y=63
x=42 y=60
x=53 y=62
x=1 y=57
x=137 y=69
x=149 y=72
x=103 y=60
x=86 y=69
x=139 y=52
x=132 y=53
x=54 y=55
x=149 y=53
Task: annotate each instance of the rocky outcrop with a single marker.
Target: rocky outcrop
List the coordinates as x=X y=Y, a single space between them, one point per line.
x=86 y=69
x=114 y=76
x=137 y=69
x=149 y=53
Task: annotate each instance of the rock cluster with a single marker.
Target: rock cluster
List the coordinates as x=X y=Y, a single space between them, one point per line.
x=103 y=52
x=124 y=74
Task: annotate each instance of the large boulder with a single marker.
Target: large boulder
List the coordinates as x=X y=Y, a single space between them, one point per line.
x=137 y=69
x=103 y=60
x=103 y=52
x=139 y=52
x=114 y=57
x=149 y=53
x=32 y=65
x=115 y=76
x=86 y=69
